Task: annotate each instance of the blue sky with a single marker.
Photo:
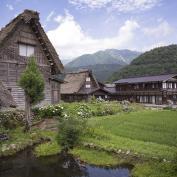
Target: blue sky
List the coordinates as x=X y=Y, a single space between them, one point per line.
x=76 y=27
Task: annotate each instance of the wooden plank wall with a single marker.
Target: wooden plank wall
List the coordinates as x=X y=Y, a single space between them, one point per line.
x=12 y=65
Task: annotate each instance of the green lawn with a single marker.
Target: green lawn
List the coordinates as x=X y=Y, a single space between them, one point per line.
x=152 y=133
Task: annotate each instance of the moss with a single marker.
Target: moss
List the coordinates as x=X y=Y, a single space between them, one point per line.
x=47 y=149
x=87 y=155
x=95 y=157
x=18 y=140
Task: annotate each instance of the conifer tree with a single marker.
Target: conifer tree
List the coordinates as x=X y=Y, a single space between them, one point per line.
x=33 y=84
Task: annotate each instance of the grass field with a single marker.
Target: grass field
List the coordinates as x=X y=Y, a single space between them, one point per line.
x=151 y=133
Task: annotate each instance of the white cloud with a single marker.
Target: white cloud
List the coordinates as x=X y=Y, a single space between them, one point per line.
x=90 y=3
x=58 y=19
x=163 y=29
x=9 y=6
x=120 y=5
x=49 y=17
x=132 y=5
x=71 y=41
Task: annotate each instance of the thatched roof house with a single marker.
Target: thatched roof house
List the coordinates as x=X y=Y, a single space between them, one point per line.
x=81 y=85
x=6 y=99
x=32 y=18
x=23 y=37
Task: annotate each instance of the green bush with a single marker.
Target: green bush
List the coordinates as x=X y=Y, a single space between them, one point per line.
x=11 y=119
x=49 y=111
x=70 y=131
x=83 y=111
x=105 y=108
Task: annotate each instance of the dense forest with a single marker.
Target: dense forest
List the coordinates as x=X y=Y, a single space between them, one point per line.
x=162 y=60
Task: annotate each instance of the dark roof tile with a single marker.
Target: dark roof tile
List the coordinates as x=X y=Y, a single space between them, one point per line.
x=158 y=78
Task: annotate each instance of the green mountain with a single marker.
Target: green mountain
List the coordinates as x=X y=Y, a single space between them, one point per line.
x=103 y=63
x=125 y=55
x=101 y=71
x=162 y=60
x=109 y=56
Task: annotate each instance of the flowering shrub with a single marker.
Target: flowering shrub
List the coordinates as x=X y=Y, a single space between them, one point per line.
x=100 y=100
x=84 y=111
x=103 y=109
x=11 y=119
x=49 y=111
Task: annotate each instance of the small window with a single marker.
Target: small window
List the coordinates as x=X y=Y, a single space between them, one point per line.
x=170 y=86
x=22 y=50
x=30 y=50
x=88 y=86
x=164 y=85
x=88 y=79
x=26 y=50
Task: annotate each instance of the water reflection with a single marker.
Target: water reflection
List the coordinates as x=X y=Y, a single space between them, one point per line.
x=26 y=165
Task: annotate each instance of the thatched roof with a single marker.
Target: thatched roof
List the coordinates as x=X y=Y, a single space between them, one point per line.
x=6 y=99
x=74 y=82
x=32 y=18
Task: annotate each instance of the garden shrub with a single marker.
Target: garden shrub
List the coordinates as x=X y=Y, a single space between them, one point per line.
x=12 y=119
x=49 y=111
x=104 y=109
x=70 y=131
x=83 y=111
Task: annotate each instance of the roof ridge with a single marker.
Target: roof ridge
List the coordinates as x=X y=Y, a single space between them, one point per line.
x=32 y=12
x=78 y=72
x=155 y=78
x=32 y=17
x=149 y=76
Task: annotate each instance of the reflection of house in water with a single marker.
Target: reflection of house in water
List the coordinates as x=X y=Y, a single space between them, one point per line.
x=82 y=85
x=151 y=89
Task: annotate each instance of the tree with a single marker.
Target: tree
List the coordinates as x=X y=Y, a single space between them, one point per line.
x=32 y=82
x=70 y=131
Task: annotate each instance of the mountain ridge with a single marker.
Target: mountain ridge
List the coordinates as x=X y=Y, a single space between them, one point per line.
x=108 y=56
x=161 y=60
x=103 y=63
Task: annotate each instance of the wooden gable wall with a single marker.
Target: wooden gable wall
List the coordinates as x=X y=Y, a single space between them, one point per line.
x=92 y=83
x=12 y=64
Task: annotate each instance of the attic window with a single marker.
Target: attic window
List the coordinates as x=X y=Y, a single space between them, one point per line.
x=88 y=86
x=26 y=50
x=88 y=79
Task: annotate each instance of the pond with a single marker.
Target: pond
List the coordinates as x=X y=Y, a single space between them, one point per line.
x=25 y=164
